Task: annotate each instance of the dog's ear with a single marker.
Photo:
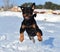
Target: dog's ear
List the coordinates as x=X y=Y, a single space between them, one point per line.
x=34 y=15
x=21 y=7
x=33 y=6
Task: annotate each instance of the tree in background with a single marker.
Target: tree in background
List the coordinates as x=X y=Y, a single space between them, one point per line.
x=50 y=5
x=47 y=5
x=6 y=4
x=26 y=4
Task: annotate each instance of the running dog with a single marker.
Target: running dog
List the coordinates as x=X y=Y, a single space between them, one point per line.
x=29 y=24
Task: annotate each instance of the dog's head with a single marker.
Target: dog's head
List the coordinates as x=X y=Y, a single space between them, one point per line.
x=27 y=12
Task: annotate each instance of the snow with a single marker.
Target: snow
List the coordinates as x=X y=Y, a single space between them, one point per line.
x=48 y=17
x=10 y=23
x=44 y=17
x=2 y=38
x=10 y=13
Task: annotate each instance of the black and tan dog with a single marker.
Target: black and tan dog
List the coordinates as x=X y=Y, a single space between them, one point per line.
x=29 y=24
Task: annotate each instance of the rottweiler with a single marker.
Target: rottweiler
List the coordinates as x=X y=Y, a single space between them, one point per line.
x=29 y=24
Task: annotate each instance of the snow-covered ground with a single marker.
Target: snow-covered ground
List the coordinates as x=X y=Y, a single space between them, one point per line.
x=10 y=23
x=44 y=17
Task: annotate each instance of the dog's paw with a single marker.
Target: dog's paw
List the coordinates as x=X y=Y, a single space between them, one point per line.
x=39 y=36
x=40 y=39
x=21 y=37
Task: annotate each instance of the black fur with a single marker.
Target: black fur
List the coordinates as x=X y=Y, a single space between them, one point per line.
x=28 y=11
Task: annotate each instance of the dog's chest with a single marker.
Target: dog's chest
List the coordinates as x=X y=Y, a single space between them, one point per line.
x=29 y=22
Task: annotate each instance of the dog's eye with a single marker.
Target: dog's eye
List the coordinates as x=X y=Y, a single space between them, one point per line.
x=22 y=8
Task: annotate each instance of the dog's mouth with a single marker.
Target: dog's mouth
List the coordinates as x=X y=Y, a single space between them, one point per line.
x=27 y=17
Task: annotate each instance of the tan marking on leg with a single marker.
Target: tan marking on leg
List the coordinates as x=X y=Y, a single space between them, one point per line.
x=21 y=37
x=23 y=26
x=34 y=26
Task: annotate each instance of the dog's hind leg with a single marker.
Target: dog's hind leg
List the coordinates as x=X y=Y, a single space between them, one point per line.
x=32 y=38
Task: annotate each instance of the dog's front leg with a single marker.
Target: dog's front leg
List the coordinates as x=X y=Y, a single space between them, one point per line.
x=39 y=36
x=22 y=29
x=38 y=33
x=21 y=37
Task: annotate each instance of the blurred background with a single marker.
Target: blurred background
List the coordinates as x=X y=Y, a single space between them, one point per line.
x=40 y=4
